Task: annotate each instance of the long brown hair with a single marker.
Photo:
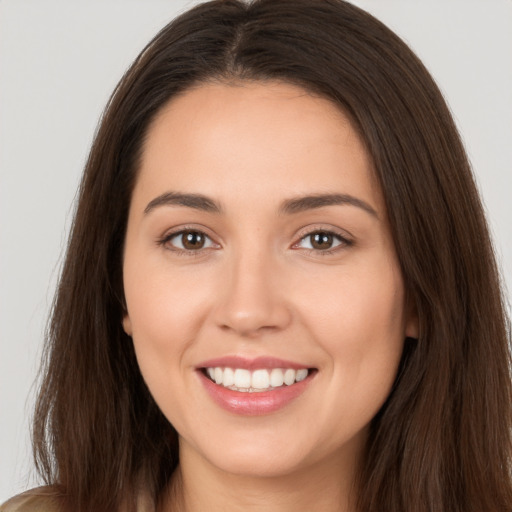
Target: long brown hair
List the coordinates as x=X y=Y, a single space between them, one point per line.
x=442 y=440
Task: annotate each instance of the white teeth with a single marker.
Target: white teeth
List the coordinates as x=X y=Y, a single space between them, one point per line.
x=276 y=377
x=240 y=379
x=289 y=376
x=260 y=379
x=301 y=375
x=228 y=377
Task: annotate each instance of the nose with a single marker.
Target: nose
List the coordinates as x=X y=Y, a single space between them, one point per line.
x=253 y=299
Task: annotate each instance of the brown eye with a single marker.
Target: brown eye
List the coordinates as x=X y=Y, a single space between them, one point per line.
x=192 y=240
x=188 y=240
x=321 y=241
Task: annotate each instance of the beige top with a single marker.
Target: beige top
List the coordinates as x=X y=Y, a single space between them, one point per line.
x=45 y=499
x=41 y=499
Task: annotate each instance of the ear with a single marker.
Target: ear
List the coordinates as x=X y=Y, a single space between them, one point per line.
x=412 y=329
x=127 y=324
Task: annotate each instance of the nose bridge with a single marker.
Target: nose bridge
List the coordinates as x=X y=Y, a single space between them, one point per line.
x=251 y=301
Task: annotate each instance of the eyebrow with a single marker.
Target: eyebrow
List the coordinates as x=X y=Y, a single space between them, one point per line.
x=196 y=201
x=288 y=207
x=300 y=204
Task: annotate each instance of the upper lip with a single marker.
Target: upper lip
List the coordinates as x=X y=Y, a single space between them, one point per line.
x=247 y=363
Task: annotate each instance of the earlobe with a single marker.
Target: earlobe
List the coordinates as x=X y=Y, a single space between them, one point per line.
x=127 y=325
x=412 y=329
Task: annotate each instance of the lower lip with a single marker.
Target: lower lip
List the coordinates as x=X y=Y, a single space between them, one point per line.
x=256 y=403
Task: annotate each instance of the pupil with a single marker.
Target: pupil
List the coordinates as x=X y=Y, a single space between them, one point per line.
x=193 y=240
x=322 y=241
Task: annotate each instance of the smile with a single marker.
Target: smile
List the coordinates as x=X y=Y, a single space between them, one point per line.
x=257 y=381
x=254 y=387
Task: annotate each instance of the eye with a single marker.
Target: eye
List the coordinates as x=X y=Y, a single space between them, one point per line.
x=188 y=240
x=324 y=241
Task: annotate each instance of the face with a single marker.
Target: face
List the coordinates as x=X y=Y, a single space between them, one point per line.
x=263 y=293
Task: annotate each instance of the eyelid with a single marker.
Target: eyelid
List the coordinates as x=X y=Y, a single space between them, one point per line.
x=346 y=238
x=176 y=231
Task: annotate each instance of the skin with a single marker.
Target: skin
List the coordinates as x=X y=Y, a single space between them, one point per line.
x=259 y=288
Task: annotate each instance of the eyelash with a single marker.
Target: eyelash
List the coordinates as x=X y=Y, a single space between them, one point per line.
x=344 y=242
x=164 y=242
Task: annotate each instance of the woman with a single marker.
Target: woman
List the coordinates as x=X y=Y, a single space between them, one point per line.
x=279 y=289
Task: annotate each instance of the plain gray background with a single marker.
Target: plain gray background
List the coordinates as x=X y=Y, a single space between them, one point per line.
x=59 y=61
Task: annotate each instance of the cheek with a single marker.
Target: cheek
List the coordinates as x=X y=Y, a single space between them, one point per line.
x=165 y=309
x=359 y=305
x=361 y=330
x=358 y=319
x=163 y=300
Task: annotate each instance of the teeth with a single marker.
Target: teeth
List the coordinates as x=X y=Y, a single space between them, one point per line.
x=228 y=377
x=260 y=379
x=289 y=376
x=301 y=375
x=277 y=377
x=240 y=379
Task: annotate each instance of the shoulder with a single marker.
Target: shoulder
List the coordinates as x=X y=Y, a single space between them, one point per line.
x=40 y=499
x=49 y=499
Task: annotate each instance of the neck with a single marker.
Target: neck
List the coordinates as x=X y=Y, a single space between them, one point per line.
x=197 y=486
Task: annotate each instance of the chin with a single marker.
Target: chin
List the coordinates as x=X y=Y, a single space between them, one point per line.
x=258 y=463
x=271 y=453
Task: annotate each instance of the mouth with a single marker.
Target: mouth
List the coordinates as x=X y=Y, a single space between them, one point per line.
x=254 y=387
x=255 y=381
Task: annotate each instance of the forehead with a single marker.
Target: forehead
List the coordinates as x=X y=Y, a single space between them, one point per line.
x=252 y=139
